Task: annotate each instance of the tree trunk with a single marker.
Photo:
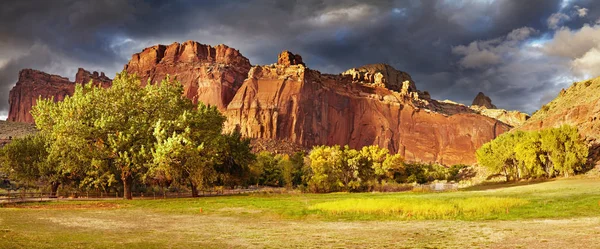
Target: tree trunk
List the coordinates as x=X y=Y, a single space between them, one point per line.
x=127 y=182
x=194 y=189
x=54 y=189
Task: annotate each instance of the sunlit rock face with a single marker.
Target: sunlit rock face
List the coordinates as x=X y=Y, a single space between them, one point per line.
x=289 y=106
x=295 y=104
x=211 y=75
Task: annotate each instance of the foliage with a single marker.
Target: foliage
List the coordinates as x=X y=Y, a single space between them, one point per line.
x=523 y=155
x=132 y=132
x=186 y=149
x=335 y=168
x=24 y=158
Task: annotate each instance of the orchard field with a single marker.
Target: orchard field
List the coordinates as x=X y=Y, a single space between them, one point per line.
x=563 y=213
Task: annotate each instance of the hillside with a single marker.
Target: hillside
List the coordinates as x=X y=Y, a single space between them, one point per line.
x=579 y=106
x=12 y=130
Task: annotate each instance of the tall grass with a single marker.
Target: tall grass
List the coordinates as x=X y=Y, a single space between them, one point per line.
x=474 y=207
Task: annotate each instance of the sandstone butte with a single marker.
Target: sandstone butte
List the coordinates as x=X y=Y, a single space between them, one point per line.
x=288 y=104
x=578 y=106
x=33 y=84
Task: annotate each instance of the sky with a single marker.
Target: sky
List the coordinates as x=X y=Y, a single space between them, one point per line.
x=520 y=53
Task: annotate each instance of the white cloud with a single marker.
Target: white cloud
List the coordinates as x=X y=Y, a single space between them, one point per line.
x=344 y=15
x=581 y=12
x=482 y=54
x=556 y=19
x=580 y=47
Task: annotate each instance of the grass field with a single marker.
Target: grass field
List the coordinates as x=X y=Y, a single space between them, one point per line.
x=554 y=214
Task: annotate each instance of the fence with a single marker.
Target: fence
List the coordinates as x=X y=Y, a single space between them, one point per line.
x=23 y=196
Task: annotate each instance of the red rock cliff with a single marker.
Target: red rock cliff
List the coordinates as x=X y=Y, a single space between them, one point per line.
x=211 y=75
x=84 y=77
x=33 y=84
x=298 y=105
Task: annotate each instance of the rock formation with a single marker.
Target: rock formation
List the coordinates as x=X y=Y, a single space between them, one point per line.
x=211 y=75
x=381 y=74
x=483 y=105
x=33 y=84
x=84 y=77
x=289 y=106
x=512 y=118
x=288 y=58
x=299 y=105
x=483 y=101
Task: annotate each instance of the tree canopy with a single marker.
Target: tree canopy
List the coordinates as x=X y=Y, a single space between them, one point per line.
x=546 y=153
x=131 y=133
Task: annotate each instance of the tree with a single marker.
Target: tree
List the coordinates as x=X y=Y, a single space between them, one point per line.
x=546 y=153
x=565 y=149
x=186 y=148
x=27 y=160
x=335 y=168
x=235 y=156
x=268 y=169
x=108 y=133
x=22 y=158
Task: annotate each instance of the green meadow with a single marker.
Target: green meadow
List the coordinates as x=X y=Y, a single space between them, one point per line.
x=553 y=214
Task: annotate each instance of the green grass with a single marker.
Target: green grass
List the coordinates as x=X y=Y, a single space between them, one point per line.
x=553 y=214
x=469 y=208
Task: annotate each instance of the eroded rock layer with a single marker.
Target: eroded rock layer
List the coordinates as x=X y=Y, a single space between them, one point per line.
x=211 y=75
x=295 y=104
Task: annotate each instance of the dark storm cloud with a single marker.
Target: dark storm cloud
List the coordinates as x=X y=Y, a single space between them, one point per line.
x=419 y=37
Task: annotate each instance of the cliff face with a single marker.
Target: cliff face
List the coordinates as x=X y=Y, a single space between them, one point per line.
x=302 y=106
x=33 y=84
x=211 y=75
x=286 y=106
x=84 y=77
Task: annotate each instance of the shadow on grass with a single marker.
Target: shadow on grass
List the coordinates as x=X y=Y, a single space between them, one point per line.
x=499 y=185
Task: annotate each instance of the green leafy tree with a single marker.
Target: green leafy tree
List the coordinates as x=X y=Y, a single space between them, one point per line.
x=267 y=170
x=546 y=153
x=108 y=133
x=27 y=160
x=235 y=156
x=186 y=148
